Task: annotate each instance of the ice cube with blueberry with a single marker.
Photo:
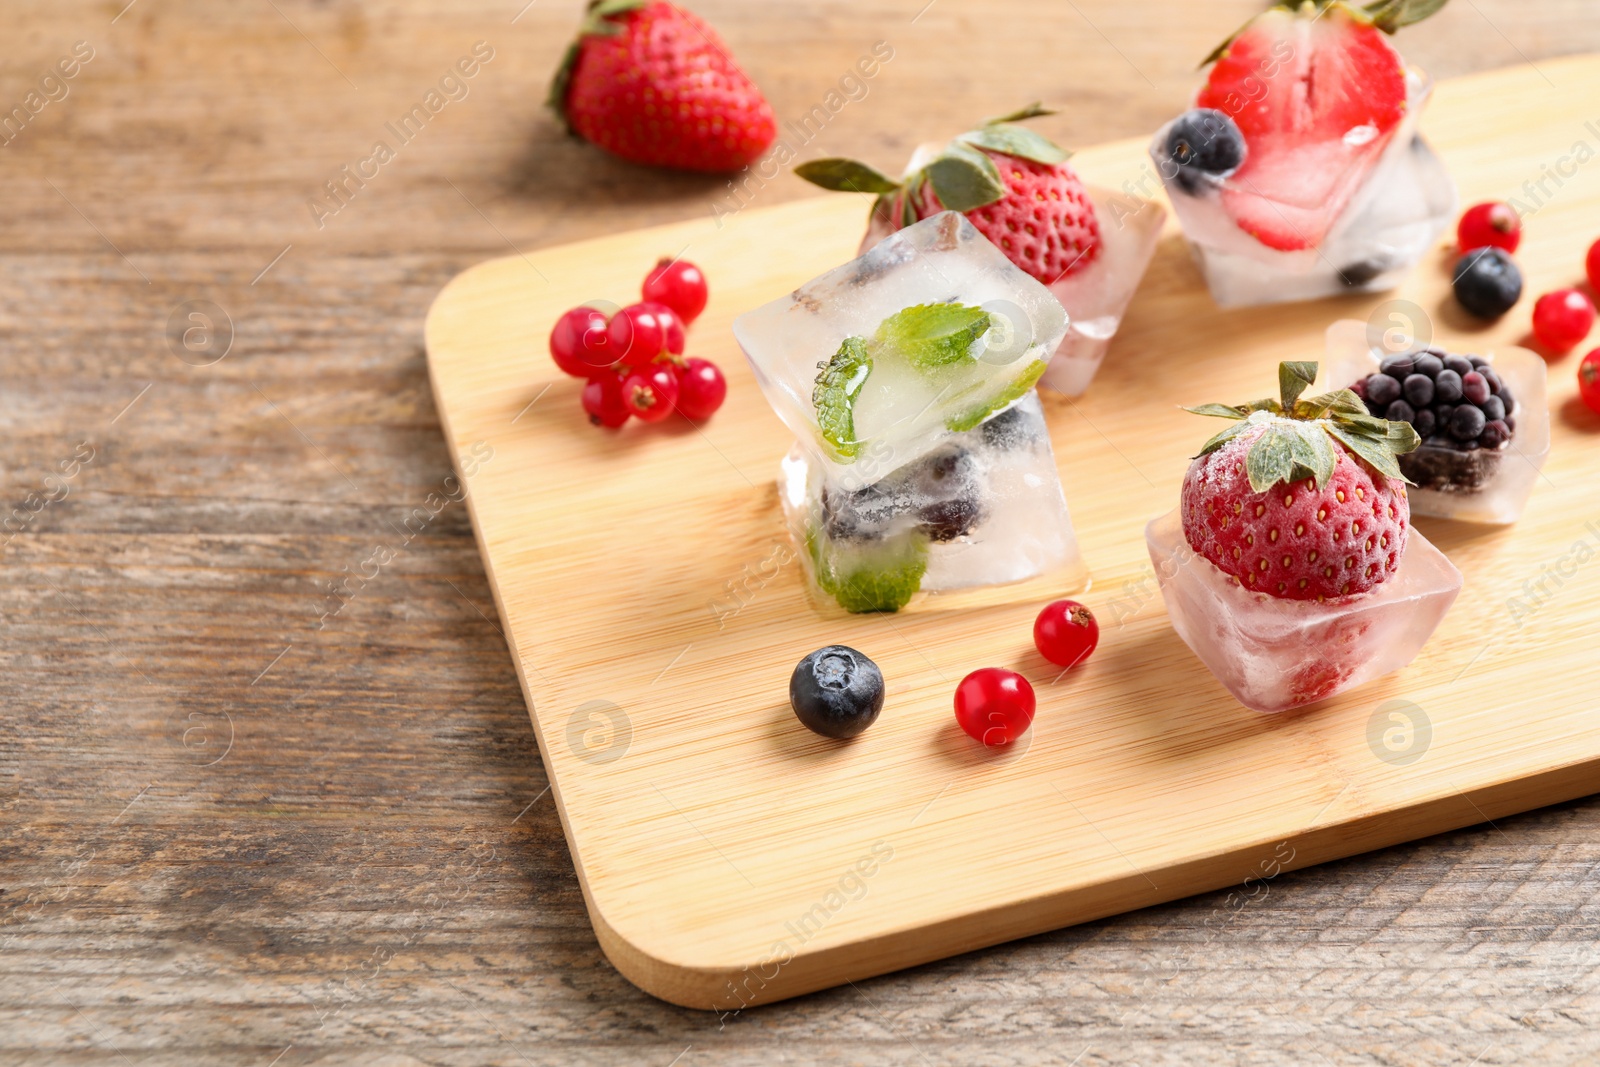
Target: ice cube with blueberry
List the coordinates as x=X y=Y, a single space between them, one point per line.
x=983 y=507
x=1483 y=419
x=926 y=335
x=1299 y=172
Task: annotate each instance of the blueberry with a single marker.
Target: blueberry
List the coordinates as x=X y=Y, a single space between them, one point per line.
x=1475 y=387
x=946 y=520
x=1204 y=142
x=1012 y=428
x=1419 y=390
x=1495 y=434
x=1460 y=364
x=1429 y=364
x=1382 y=391
x=1424 y=423
x=1493 y=408
x=856 y=515
x=1398 y=366
x=1364 y=272
x=1487 y=282
x=1467 y=422
x=1400 y=411
x=836 y=691
x=1447 y=387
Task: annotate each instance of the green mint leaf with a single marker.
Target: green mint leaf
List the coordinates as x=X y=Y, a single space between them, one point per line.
x=1030 y=111
x=1221 y=411
x=1016 y=141
x=882 y=578
x=1293 y=378
x=1393 y=15
x=964 y=178
x=838 y=383
x=932 y=335
x=845 y=176
x=977 y=415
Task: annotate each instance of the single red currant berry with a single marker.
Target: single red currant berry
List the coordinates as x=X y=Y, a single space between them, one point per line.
x=637 y=335
x=1492 y=223
x=1561 y=319
x=1065 y=633
x=1589 y=381
x=672 y=331
x=602 y=399
x=994 y=705
x=679 y=285
x=578 y=343
x=1591 y=266
x=701 y=389
x=650 y=393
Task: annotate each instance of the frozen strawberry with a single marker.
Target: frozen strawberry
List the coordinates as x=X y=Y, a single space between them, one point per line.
x=1317 y=92
x=1301 y=499
x=1012 y=184
x=652 y=83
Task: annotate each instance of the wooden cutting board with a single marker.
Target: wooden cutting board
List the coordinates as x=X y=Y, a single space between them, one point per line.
x=654 y=606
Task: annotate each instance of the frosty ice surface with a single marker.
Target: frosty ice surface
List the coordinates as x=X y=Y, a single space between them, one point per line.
x=1487 y=486
x=984 y=507
x=900 y=409
x=1403 y=203
x=1273 y=654
x=1097 y=295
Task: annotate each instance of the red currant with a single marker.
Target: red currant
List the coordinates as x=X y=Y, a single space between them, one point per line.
x=994 y=705
x=1591 y=266
x=651 y=393
x=637 y=335
x=1589 y=381
x=1065 y=633
x=679 y=285
x=701 y=389
x=672 y=329
x=1492 y=223
x=1561 y=319
x=579 y=343
x=602 y=399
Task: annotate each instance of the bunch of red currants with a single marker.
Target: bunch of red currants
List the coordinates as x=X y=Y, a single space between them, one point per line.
x=633 y=362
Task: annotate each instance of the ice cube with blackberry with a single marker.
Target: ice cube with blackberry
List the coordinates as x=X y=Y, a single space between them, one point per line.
x=1482 y=418
x=984 y=508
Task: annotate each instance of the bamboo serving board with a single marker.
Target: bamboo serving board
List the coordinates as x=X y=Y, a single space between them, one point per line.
x=655 y=607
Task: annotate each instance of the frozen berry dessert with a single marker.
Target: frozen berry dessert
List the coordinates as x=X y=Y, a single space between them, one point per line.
x=1290 y=566
x=1463 y=413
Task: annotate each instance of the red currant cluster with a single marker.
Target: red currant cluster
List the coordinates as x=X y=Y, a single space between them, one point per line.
x=633 y=362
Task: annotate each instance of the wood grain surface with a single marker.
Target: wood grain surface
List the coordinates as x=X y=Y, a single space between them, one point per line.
x=235 y=834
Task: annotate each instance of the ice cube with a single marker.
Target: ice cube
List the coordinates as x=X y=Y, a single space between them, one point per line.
x=903 y=408
x=1274 y=654
x=1401 y=205
x=984 y=507
x=1483 y=485
x=1096 y=295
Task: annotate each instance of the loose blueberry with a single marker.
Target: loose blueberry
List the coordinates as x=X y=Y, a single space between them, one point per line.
x=1487 y=282
x=1447 y=386
x=1382 y=390
x=1467 y=422
x=836 y=691
x=1400 y=411
x=1419 y=390
x=1204 y=143
x=1494 y=408
x=1429 y=364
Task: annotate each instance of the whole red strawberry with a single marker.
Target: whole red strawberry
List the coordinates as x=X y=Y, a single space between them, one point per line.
x=651 y=83
x=1012 y=184
x=1300 y=499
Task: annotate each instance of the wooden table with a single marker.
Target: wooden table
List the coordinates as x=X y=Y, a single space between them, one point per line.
x=240 y=827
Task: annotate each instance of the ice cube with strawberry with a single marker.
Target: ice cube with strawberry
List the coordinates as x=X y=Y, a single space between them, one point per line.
x=1290 y=566
x=1088 y=245
x=1299 y=172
